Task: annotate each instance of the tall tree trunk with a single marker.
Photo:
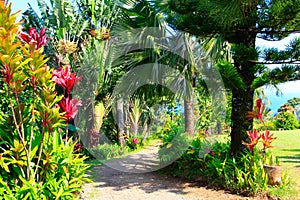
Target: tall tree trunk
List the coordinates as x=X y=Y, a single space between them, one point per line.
x=135 y=130
x=242 y=99
x=147 y=128
x=189 y=114
x=242 y=102
x=120 y=122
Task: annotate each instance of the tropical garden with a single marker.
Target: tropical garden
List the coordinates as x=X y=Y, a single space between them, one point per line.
x=88 y=80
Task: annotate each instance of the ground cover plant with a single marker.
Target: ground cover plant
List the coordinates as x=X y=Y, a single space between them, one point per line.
x=210 y=158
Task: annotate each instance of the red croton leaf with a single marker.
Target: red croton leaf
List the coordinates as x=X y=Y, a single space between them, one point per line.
x=65 y=78
x=69 y=107
x=267 y=138
x=254 y=137
x=33 y=37
x=258 y=111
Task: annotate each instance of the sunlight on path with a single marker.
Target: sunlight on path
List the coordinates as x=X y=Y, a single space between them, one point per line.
x=111 y=184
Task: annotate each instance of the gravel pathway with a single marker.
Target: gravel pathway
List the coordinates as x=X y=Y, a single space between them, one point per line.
x=129 y=179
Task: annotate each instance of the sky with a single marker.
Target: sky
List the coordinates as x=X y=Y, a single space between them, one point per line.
x=23 y=5
x=289 y=90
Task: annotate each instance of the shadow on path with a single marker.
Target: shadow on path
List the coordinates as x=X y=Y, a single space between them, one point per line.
x=129 y=178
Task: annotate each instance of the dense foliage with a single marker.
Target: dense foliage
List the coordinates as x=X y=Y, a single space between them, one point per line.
x=40 y=139
x=237 y=24
x=211 y=161
x=36 y=158
x=286 y=121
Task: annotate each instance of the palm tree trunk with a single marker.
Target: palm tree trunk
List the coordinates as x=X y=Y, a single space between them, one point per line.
x=189 y=114
x=120 y=122
x=135 y=129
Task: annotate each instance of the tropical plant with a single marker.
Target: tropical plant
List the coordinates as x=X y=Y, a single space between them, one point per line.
x=81 y=33
x=108 y=151
x=240 y=23
x=35 y=162
x=135 y=116
x=286 y=121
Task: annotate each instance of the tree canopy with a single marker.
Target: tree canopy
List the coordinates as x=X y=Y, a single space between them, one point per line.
x=240 y=22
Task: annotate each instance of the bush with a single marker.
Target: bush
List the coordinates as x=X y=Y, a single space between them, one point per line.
x=62 y=176
x=217 y=166
x=287 y=121
x=243 y=173
x=270 y=125
x=35 y=161
x=107 y=151
x=174 y=141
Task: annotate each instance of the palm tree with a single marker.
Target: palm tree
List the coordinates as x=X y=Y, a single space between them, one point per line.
x=80 y=36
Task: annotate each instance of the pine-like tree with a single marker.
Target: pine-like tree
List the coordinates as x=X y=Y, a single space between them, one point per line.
x=240 y=22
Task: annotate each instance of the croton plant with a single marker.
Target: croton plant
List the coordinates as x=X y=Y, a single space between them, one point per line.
x=35 y=162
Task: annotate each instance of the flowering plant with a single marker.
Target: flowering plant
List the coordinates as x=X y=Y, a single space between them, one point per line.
x=65 y=78
x=33 y=38
x=255 y=135
x=132 y=143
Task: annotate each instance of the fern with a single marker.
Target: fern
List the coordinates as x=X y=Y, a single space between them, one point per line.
x=230 y=75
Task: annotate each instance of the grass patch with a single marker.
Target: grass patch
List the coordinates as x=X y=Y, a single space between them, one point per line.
x=126 y=152
x=287 y=150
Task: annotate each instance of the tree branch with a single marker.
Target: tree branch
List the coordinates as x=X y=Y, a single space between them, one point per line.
x=294 y=62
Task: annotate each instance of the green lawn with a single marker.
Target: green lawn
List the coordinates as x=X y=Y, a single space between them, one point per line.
x=287 y=149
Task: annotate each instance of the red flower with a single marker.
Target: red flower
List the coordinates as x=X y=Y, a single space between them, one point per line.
x=69 y=107
x=134 y=141
x=78 y=147
x=267 y=138
x=65 y=78
x=33 y=37
x=258 y=111
x=7 y=74
x=254 y=137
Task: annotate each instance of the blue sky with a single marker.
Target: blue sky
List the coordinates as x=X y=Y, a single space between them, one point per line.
x=23 y=4
x=289 y=90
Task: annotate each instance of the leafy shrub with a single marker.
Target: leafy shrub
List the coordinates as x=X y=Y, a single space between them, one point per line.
x=174 y=140
x=107 y=151
x=62 y=176
x=287 y=121
x=215 y=163
x=170 y=129
x=173 y=148
x=244 y=173
x=35 y=161
x=270 y=125
x=132 y=143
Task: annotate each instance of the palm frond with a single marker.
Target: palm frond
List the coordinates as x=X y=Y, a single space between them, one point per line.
x=32 y=19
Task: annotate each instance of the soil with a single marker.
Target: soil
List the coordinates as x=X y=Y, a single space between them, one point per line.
x=132 y=178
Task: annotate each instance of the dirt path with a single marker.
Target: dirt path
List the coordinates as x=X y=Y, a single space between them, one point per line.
x=132 y=184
